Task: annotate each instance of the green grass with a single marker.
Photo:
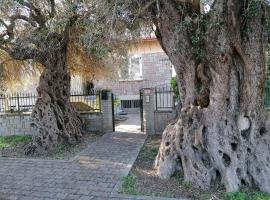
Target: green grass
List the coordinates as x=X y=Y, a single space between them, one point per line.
x=11 y=141
x=247 y=196
x=178 y=176
x=148 y=153
x=129 y=185
x=61 y=149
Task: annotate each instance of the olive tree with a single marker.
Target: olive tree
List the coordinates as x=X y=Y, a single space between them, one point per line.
x=218 y=50
x=60 y=37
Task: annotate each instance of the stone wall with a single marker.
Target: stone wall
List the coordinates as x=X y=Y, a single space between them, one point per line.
x=162 y=119
x=106 y=107
x=14 y=124
x=92 y=121
x=154 y=121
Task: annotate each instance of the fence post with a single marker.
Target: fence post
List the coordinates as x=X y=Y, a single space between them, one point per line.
x=106 y=106
x=113 y=119
x=149 y=110
x=18 y=102
x=99 y=100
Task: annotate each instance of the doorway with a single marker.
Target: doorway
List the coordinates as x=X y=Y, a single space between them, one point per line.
x=126 y=119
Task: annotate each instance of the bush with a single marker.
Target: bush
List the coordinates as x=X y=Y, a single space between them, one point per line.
x=174 y=86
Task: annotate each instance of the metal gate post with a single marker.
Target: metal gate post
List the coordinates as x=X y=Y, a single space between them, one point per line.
x=141 y=110
x=113 y=119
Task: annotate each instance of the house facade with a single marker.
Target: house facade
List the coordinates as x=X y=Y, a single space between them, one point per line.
x=148 y=67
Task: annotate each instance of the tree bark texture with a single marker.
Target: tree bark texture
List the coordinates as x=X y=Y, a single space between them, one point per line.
x=222 y=133
x=54 y=118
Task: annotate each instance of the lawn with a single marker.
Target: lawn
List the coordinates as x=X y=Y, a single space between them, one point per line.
x=14 y=147
x=14 y=140
x=143 y=180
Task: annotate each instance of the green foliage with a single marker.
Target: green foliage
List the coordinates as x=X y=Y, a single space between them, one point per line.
x=196 y=40
x=247 y=196
x=95 y=41
x=116 y=103
x=183 y=25
x=60 y=150
x=129 y=185
x=252 y=9
x=174 y=86
x=196 y=34
x=187 y=184
x=178 y=176
x=267 y=80
x=11 y=141
x=149 y=153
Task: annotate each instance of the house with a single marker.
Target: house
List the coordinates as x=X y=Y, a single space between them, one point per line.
x=149 y=66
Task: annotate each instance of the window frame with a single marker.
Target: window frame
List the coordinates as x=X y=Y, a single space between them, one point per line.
x=140 y=66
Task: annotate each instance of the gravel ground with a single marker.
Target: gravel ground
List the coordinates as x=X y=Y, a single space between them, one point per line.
x=61 y=152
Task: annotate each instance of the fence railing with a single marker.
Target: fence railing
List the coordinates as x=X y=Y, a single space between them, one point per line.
x=25 y=102
x=267 y=97
x=165 y=98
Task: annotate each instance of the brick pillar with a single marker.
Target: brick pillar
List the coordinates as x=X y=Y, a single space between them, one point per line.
x=106 y=108
x=148 y=110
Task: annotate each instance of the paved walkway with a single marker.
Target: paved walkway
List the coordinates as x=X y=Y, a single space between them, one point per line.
x=132 y=124
x=94 y=174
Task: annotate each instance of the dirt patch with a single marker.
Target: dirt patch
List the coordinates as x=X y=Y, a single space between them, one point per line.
x=148 y=183
x=61 y=152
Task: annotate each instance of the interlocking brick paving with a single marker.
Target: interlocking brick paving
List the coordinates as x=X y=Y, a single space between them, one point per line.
x=94 y=174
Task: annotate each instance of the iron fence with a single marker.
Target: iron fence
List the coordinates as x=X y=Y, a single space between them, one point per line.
x=165 y=98
x=25 y=102
x=267 y=97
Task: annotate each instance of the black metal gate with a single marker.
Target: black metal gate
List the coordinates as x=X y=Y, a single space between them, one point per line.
x=113 y=112
x=141 y=109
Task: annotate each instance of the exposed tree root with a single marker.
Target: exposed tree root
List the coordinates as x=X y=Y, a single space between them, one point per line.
x=208 y=149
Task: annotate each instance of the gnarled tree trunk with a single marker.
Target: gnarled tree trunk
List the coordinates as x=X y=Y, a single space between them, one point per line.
x=222 y=132
x=54 y=117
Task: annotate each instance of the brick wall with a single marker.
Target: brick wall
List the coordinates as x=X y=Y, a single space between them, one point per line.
x=156 y=70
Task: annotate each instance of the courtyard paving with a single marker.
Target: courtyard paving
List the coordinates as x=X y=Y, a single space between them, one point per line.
x=95 y=173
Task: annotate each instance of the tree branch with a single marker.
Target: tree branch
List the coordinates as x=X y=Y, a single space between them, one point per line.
x=71 y=21
x=52 y=11
x=195 y=4
x=25 y=53
x=144 y=9
x=36 y=14
x=23 y=17
x=2 y=22
x=11 y=26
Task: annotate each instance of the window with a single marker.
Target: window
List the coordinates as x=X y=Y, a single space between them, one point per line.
x=87 y=87
x=135 y=68
x=133 y=71
x=130 y=103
